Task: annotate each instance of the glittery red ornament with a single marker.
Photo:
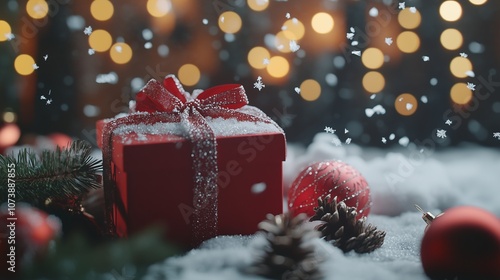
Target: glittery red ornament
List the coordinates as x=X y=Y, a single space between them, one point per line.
x=329 y=177
x=463 y=243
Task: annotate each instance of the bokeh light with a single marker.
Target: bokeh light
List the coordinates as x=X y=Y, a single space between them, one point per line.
x=9 y=135
x=409 y=19
x=450 y=10
x=406 y=104
x=295 y=27
x=159 y=8
x=37 y=9
x=9 y=117
x=373 y=82
x=310 y=90
x=4 y=30
x=408 y=42
x=258 y=5
x=189 y=74
x=281 y=41
x=461 y=94
x=100 y=40
x=478 y=2
x=120 y=53
x=24 y=64
x=278 y=67
x=230 y=22
x=256 y=57
x=102 y=10
x=372 y=58
x=451 y=39
x=460 y=66
x=322 y=23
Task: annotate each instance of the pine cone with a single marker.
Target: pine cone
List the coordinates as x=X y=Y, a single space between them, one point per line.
x=341 y=228
x=286 y=255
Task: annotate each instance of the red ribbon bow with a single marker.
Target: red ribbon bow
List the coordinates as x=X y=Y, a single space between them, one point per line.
x=170 y=103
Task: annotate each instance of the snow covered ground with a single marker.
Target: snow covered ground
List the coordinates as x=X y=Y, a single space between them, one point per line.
x=399 y=178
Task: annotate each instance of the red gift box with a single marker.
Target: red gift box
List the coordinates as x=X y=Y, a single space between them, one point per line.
x=153 y=165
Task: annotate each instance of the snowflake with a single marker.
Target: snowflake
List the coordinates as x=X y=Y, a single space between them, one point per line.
x=350 y=36
x=259 y=84
x=346 y=131
x=294 y=46
x=265 y=61
x=50 y=91
x=404 y=141
x=388 y=41
x=42 y=97
x=425 y=58
x=409 y=106
x=471 y=86
x=348 y=141
x=87 y=30
x=392 y=136
x=402 y=5
x=119 y=49
x=10 y=36
x=441 y=133
x=337 y=142
x=379 y=110
x=384 y=140
x=358 y=53
x=297 y=90
x=470 y=73
x=222 y=19
x=424 y=99
x=205 y=21
x=329 y=130
x=287 y=15
x=372 y=96
x=496 y=135
x=354 y=43
x=48 y=102
x=45 y=57
x=91 y=51
x=373 y=12
x=448 y=122
x=464 y=55
x=413 y=10
x=35 y=66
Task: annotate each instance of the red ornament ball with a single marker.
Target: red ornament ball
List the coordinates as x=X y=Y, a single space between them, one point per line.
x=463 y=243
x=329 y=177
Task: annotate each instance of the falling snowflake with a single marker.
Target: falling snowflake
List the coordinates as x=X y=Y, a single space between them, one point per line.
x=50 y=91
x=294 y=46
x=119 y=49
x=373 y=12
x=329 y=130
x=379 y=110
x=205 y=21
x=404 y=141
x=425 y=58
x=348 y=141
x=297 y=90
x=259 y=84
x=222 y=19
x=48 y=102
x=287 y=15
x=464 y=55
x=409 y=106
x=413 y=10
x=265 y=61
x=45 y=57
x=43 y=97
x=402 y=5
x=35 y=66
x=388 y=41
x=350 y=36
x=470 y=73
x=87 y=30
x=358 y=53
x=372 y=96
x=91 y=51
x=448 y=122
x=354 y=43
x=336 y=142
x=384 y=140
x=496 y=135
x=10 y=36
x=471 y=86
x=441 y=133
x=346 y=131
x=424 y=99
x=392 y=136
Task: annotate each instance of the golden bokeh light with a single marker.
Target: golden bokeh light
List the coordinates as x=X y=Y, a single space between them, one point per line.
x=460 y=66
x=460 y=94
x=230 y=22
x=373 y=82
x=478 y=2
x=9 y=117
x=37 y=9
x=409 y=19
x=256 y=57
x=159 y=8
x=406 y=104
x=189 y=74
x=4 y=30
x=282 y=41
x=102 y=10
x=322 y=23
x=295 y=27
x=258 y=5
x=278 y=67
x=450 y=10
x=24 y=64
x=451 y=39
x=100 y=40
x=408 y=42
x=372 y=58
x=120 y=53
x=310 y=90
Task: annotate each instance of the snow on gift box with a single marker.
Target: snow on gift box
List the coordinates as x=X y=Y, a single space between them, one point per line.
x=189 y=163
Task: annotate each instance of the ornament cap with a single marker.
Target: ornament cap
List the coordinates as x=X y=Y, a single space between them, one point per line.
x=428 y=217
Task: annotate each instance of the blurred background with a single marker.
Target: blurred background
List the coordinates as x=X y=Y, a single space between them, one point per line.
x=380 y=73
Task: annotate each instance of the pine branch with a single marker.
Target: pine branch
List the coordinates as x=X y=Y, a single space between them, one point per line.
x=58 y=175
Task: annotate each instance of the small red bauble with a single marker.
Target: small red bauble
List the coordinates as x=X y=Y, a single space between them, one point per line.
x=329 y=177
x=463 y=243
